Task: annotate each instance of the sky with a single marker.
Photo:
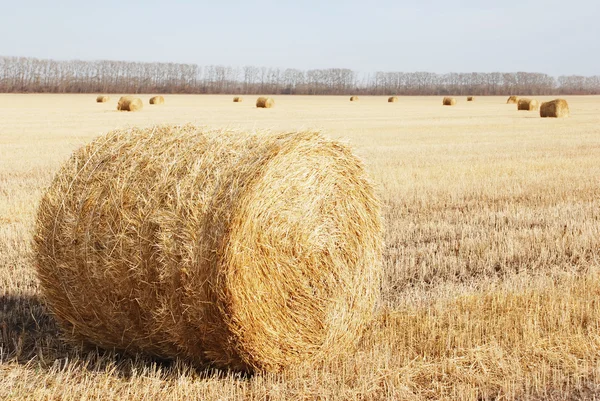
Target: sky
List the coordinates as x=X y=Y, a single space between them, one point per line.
x=554 y=37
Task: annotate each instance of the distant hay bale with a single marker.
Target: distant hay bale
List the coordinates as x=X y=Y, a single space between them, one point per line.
x=129 y=103
x=353 y=98
x=248 y=251
x=392 y=99
x=556 y=108
x=102 y=99
x=470 y=98
x=528 y=104
x=512 y=100
x=449 y=101
x=157 y=100
x=238 y=99
x=265 y=102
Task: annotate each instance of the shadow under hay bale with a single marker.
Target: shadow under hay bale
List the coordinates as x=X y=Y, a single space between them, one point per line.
x=558 y=108
x=528 y=104
x=449 y=101
x=24 y=325
x=245 y=251
x=102 y=99
x=129 y=103
x=265 y=102
x=157 y=100
x=30 y=336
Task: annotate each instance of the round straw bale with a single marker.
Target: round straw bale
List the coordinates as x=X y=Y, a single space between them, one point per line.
x=353 y=98
x=528 y=104
x=392 y=99
x=265 y=102
x=102 y=99
x=512 y=100
x=449 y=101
x=470 y=98
x=555 y=108
x=129 y=103
x=157 y=100
x=238 y=99
x=246 y=251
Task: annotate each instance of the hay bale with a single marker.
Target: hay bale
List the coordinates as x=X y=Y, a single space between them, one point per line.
x=528 y=104
x=555 y=108
x=102 y=99
x=157 y=100
x=470 y=98
x=246 y=251
x=238 y=99
x=449 y=101
x=353 y=98
x=265 y=102
x=129 y=103
x=512 y=100
x=392 y=99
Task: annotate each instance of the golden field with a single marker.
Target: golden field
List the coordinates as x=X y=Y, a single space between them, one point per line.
x=492 y=254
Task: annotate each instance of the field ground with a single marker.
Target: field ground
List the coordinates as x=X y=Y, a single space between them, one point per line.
x=492 y=251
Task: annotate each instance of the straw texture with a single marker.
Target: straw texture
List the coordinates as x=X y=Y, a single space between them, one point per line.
x=157 y=100
x=129 y=103
x=449 y=101
x=247 y=251
x=528 y=104
x=265 y=102
x=558 y=108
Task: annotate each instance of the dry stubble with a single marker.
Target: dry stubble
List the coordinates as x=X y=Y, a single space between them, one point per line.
x=492 y=267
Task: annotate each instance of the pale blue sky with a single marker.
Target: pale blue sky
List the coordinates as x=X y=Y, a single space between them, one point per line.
x=551 y=36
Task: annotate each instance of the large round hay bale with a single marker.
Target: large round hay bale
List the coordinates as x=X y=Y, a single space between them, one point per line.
x=470 y=98
x=555 y=108
x=353 y=98
x=265 y=102
x=392 y=99
x=449 y=101
x=238 y=99
x=512 y=100
x=129 y=103
x=102 y=99
x=157 y=100
x=528 y=104
x=247 y=251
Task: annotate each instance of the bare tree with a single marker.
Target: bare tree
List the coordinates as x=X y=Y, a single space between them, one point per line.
x=22 y=74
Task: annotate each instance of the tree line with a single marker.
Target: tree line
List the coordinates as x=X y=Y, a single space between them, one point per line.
x=32 y=75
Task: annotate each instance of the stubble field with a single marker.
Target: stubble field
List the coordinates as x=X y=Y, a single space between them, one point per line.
x=492 y=256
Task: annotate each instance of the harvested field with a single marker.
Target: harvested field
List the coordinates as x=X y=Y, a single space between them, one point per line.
x=491 y=258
